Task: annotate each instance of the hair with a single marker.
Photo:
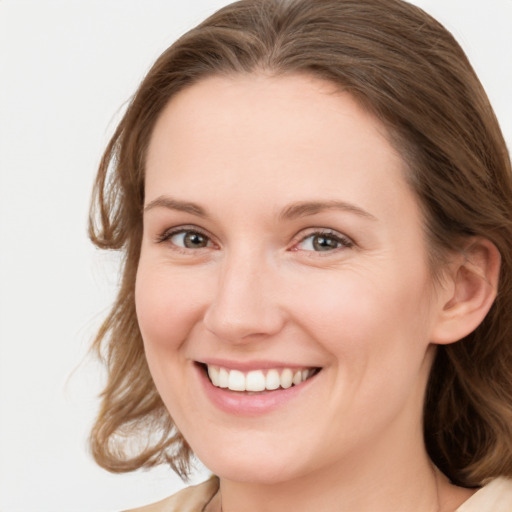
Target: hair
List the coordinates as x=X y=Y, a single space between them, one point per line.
x=409 y=72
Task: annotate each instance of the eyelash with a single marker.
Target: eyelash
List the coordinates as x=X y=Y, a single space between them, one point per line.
x=342 y=241
x=167 y=235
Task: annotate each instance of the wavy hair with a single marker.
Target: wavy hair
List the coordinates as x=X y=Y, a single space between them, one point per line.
x=407 y=70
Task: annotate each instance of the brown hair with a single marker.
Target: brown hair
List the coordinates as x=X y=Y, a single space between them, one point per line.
x=406 y=69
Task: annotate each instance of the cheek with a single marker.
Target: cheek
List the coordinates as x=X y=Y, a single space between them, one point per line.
x=370 y=322
x=167 y=308
x=377 y=334
x=168 y=305
x=352 y=304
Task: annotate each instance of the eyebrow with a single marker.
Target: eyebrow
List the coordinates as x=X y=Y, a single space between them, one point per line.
x=174 y=204
x=306 y=208
x=292 y=211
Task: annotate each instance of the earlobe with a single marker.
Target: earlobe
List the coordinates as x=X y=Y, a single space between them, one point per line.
x=473 y=287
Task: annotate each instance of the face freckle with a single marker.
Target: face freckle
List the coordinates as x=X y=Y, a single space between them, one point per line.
x=280 y=232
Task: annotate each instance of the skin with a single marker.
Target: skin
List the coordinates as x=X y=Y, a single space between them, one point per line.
x=243 y=149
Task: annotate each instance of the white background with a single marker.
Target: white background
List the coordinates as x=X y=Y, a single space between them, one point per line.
x=67 y=68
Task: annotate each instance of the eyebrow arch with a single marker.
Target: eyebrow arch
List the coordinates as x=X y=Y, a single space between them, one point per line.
x=305 y=208
x=174 y=204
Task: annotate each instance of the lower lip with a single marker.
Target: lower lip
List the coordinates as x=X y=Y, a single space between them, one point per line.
x=244 y=404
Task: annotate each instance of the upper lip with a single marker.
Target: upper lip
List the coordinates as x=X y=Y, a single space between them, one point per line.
x=246 y=366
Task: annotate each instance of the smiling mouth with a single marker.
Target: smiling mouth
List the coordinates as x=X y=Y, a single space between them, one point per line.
x=257 y=381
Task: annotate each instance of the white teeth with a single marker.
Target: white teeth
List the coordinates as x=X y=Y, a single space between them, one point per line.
x=223 y=378
x=286 y=378
x=213 y=373
x=236 y=381
x=272 y=380
x=257 y=380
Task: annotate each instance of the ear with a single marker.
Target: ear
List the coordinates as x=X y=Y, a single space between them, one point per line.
x=470 y=290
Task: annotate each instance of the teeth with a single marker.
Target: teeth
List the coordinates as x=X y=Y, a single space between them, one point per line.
x=236 y=381
x=223 y=378
x=257 y=380
x=286 y=378
x=213 y=373
x=272 y=380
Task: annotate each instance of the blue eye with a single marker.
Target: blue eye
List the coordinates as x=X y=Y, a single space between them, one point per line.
x=189 y=239
x=324 y=242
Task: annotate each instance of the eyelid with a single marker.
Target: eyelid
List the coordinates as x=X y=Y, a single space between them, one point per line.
x=170 y=232
x=345 y=241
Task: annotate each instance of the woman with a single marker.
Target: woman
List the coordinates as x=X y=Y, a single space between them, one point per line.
x=314 y=200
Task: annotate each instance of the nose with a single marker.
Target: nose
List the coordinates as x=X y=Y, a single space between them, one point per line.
x=245 y=306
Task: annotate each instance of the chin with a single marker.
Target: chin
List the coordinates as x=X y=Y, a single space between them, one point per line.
x=257 y=463
x=247 y=471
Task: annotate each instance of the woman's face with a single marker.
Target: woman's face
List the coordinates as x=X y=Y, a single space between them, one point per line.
x=283 y=247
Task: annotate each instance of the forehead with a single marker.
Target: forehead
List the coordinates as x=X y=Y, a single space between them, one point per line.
x=293 y=135
x=255 y=107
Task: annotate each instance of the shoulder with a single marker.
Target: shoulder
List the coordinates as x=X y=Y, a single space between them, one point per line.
x=496 y=496
x=191 y=499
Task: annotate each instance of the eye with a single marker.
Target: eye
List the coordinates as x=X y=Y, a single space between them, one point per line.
x=324 y=241
x=187 y=239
